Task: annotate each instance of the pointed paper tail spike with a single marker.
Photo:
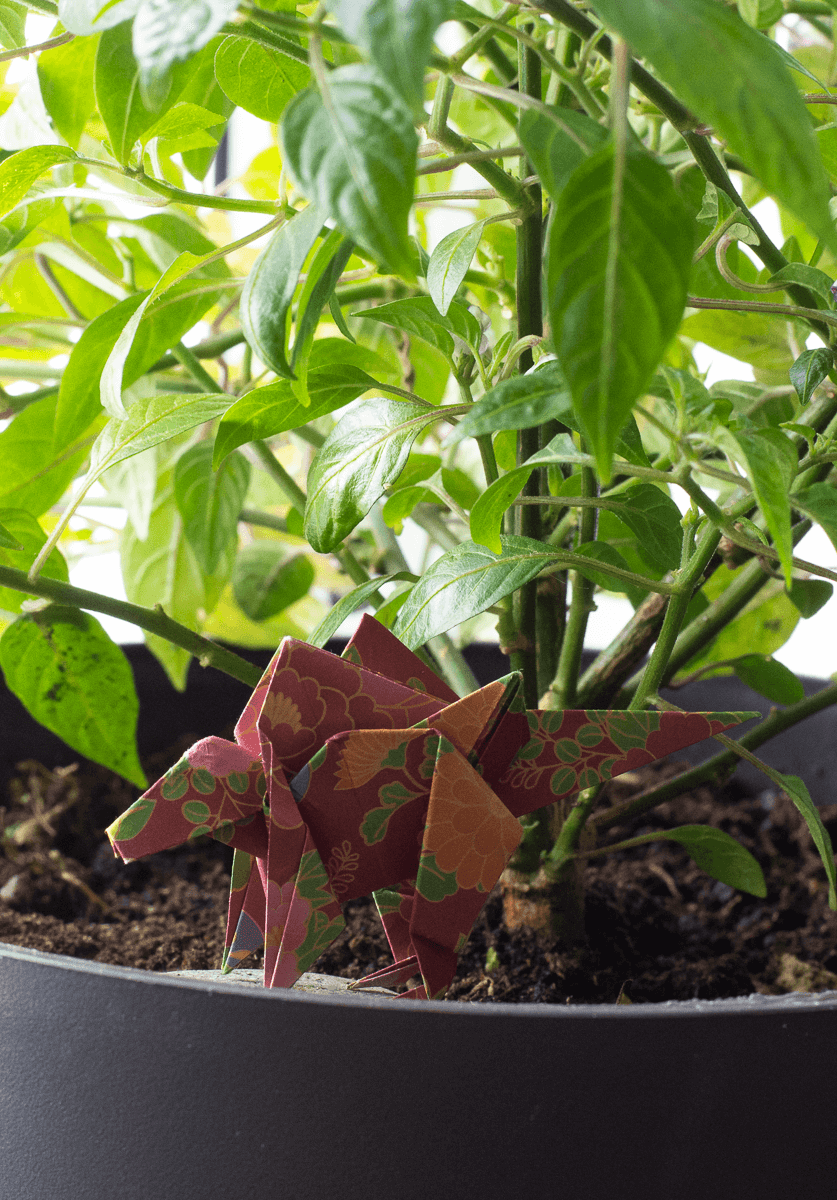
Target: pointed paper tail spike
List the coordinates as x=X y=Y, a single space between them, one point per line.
x=576 y=749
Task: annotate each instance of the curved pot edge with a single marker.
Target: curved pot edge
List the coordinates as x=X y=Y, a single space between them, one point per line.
x=755 y=1003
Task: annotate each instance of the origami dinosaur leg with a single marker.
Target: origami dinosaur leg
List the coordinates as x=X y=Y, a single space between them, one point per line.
x=307 y=920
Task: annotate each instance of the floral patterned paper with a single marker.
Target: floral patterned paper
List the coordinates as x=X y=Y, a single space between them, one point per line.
x=366 y=774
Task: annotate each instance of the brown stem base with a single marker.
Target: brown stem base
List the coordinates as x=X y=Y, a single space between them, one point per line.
x=553 y=909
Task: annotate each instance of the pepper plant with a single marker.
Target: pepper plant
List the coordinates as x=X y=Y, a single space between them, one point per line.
x=274 y=376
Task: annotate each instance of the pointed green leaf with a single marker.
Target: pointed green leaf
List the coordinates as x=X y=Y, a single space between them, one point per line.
x=269 y=290
x=149 y=422
x=738 y=84
x=820 y=502
x=350 y=603
x=449 y=264
x=65 y=75
x=655 y=519
x=464 y=582
x=353 y=153
x=266 y=581
x=210 y=501
x=19 y=171
x=801 y=798
x=364 y=453
x=269 y=410
x=720 y=856
x=118 y=97
x=809 y=370
x=769 y=678
x=619 y=259
x=32 y=475
x=397 y=36
x=520 y=402
x=12 y=24
x=809 y=595
x=420 y=317
x=259 y=79
x=71 y=677
x=771 y=462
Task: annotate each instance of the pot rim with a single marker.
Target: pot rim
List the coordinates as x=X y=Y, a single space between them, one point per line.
x=756 y=1003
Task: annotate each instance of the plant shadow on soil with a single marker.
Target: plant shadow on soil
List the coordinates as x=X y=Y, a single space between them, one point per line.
x=658 y=927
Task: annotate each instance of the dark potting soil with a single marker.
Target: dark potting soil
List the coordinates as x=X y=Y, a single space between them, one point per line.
x=658 y=927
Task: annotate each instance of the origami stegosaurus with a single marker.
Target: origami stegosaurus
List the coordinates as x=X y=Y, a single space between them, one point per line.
x=366 y=774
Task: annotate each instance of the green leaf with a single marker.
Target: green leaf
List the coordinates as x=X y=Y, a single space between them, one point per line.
x=655 y=519
x=808 y=277
x=465 y=582
x=32 y=476
x=556 y=152
x=763 y=627
x=148 y=423
x=799 y=795
x=420 y=317
x=12 y=24
x=350 y=603
x=65 y=75
x=616 y=288
x=22 y=540
x=604 y=553
x=210 y=502
x=19 y=171
x=269 y=290
x=92 y=16
x=269 y=410
x=353 y=153
x=809 y=371
x=736 y=83
x=820 y=502
x=79 y=401
x=761 y=14
x=398 y=37
x=259 y=79
x=169 y=31
x=771 y=462
x=769 y=678
x=118 y=95
x=266 y=581
x=520 y=402
x=809 y=595
x=449 y=264
x=180 y=122
x=720 y=856
x=71 y=677
x=364 y=453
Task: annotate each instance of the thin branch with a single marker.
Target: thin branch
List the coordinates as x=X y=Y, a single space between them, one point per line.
x=25 y=51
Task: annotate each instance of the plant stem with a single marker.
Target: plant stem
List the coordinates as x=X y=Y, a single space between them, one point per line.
x=154 y=620
x=25 y=51
x=529 y=237
x=286 y=482
x=599 y=683
x=196 y=369
x=211 y=348
x=562 y=692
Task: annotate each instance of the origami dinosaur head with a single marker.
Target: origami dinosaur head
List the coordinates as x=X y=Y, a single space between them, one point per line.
x=366 y=774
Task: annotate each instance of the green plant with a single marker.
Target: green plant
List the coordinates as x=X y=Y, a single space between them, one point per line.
x=526 y=394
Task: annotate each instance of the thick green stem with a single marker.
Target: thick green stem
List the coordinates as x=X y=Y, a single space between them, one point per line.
x=211 y=348
x=286 y=482
x=151 y=620
x=562 y=692
x=529 y=237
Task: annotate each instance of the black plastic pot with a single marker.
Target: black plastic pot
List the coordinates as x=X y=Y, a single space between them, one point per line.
x=121 y=1083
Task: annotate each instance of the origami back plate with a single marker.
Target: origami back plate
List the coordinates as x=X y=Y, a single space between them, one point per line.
x=367 y=774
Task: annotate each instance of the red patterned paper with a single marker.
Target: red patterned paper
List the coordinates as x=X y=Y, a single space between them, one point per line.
x=365 y=774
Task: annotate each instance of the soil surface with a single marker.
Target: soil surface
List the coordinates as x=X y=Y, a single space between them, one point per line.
x=658 y=927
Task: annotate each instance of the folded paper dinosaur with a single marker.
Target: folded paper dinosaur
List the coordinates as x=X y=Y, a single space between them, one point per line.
x=366 y=774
